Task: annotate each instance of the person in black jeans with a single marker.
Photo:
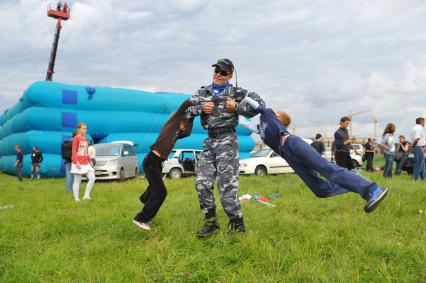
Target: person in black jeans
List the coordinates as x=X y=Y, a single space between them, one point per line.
x=19 y=163
x=36 y=160
x=401 y=154
x=153 y=197
x=369 y=155
x=319 y=145
x=343 y=144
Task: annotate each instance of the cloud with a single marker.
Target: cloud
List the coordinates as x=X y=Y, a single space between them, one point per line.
x=316 y=59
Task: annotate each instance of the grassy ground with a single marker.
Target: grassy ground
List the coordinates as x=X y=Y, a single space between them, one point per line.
x=46 y=237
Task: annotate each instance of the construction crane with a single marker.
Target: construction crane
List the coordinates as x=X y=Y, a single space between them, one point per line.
x=61 y=13
x=350 y=115
x=375 y=122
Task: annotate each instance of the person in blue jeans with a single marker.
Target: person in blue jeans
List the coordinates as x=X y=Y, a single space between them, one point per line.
x=418 y=148
x=307 y=163
x=388 y=145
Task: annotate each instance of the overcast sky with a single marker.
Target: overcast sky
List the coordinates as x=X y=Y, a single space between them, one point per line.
x=317 y=60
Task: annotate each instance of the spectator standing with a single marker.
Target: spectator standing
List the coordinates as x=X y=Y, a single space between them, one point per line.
x=369 y=155
x=66 y=152
x=388 y=145
x=418 y=148
x=319 y=145
x=19 y=163
x=343 y=142
x=36 y=160
x=81 y=163
x=401 y=155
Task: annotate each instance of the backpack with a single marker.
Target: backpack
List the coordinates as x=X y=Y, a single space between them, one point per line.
x=66 y=150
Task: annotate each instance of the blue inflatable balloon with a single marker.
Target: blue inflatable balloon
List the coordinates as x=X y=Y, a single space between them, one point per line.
x=48 y=113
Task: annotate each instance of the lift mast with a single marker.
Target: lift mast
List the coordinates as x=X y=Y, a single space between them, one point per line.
x=61 y=13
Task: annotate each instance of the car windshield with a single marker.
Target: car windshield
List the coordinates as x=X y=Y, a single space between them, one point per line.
x=172 y=154
x=261 y=153
x=107 y=149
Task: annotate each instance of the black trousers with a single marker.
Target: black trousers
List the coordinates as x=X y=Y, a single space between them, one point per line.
x=156 y=192
x=19 y=172
x=369 y=159
x=343 y=159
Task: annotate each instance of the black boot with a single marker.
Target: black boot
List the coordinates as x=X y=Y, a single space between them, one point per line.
x=236 y=225
x=210 y=227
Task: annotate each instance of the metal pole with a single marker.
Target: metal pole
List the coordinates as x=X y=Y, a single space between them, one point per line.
x=50 y=70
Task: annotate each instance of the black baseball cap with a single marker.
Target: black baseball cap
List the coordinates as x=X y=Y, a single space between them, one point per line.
x=225 y=64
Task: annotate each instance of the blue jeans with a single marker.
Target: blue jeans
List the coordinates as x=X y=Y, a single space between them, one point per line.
x=70 y=179
x=307 y=164
x=419 y=166
x=389 y=157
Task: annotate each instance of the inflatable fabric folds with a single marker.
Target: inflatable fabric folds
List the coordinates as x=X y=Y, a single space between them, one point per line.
x=48 y=112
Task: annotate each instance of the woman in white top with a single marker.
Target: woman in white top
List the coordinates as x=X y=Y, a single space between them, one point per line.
x=388 y=145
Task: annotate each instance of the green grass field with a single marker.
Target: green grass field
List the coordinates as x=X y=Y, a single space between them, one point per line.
x=46 y=237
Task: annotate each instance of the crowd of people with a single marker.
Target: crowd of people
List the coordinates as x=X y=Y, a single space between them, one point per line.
x=393 y=151
x=221 y=107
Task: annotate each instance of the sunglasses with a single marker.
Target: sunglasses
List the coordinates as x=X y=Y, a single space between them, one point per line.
x=222 y=72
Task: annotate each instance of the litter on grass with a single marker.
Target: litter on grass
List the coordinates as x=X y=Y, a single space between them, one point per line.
x=246 y=196
x=263 y=200
x=6 y=207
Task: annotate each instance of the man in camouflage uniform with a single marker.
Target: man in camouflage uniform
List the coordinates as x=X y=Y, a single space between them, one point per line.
x=219 y=105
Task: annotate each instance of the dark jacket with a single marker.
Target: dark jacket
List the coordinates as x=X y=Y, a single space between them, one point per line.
x=66 y=151
x=36 y=157
x=171 y=131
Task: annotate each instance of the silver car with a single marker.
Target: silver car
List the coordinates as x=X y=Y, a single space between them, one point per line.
x=116 y=160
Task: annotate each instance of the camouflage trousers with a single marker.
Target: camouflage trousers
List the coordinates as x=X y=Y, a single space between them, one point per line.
x=219 y=158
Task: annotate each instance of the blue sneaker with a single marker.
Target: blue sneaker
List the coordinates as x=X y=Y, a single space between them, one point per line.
x=376 y=196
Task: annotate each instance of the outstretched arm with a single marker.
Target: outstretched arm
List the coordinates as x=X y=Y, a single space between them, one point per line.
x=252 y=105
x=245 y=109
x=185 y=128
x=195 y=109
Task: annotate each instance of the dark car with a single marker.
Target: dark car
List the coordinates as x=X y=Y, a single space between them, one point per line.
x=409 y=164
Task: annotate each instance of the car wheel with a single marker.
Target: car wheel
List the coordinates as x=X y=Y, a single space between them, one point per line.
x=122 y=176
x=175 y=173
x=260 y=170
x=355 y=163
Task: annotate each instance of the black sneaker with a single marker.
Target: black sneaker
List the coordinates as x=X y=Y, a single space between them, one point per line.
x=236 y=226
x=210 y=227
x=376 y=196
